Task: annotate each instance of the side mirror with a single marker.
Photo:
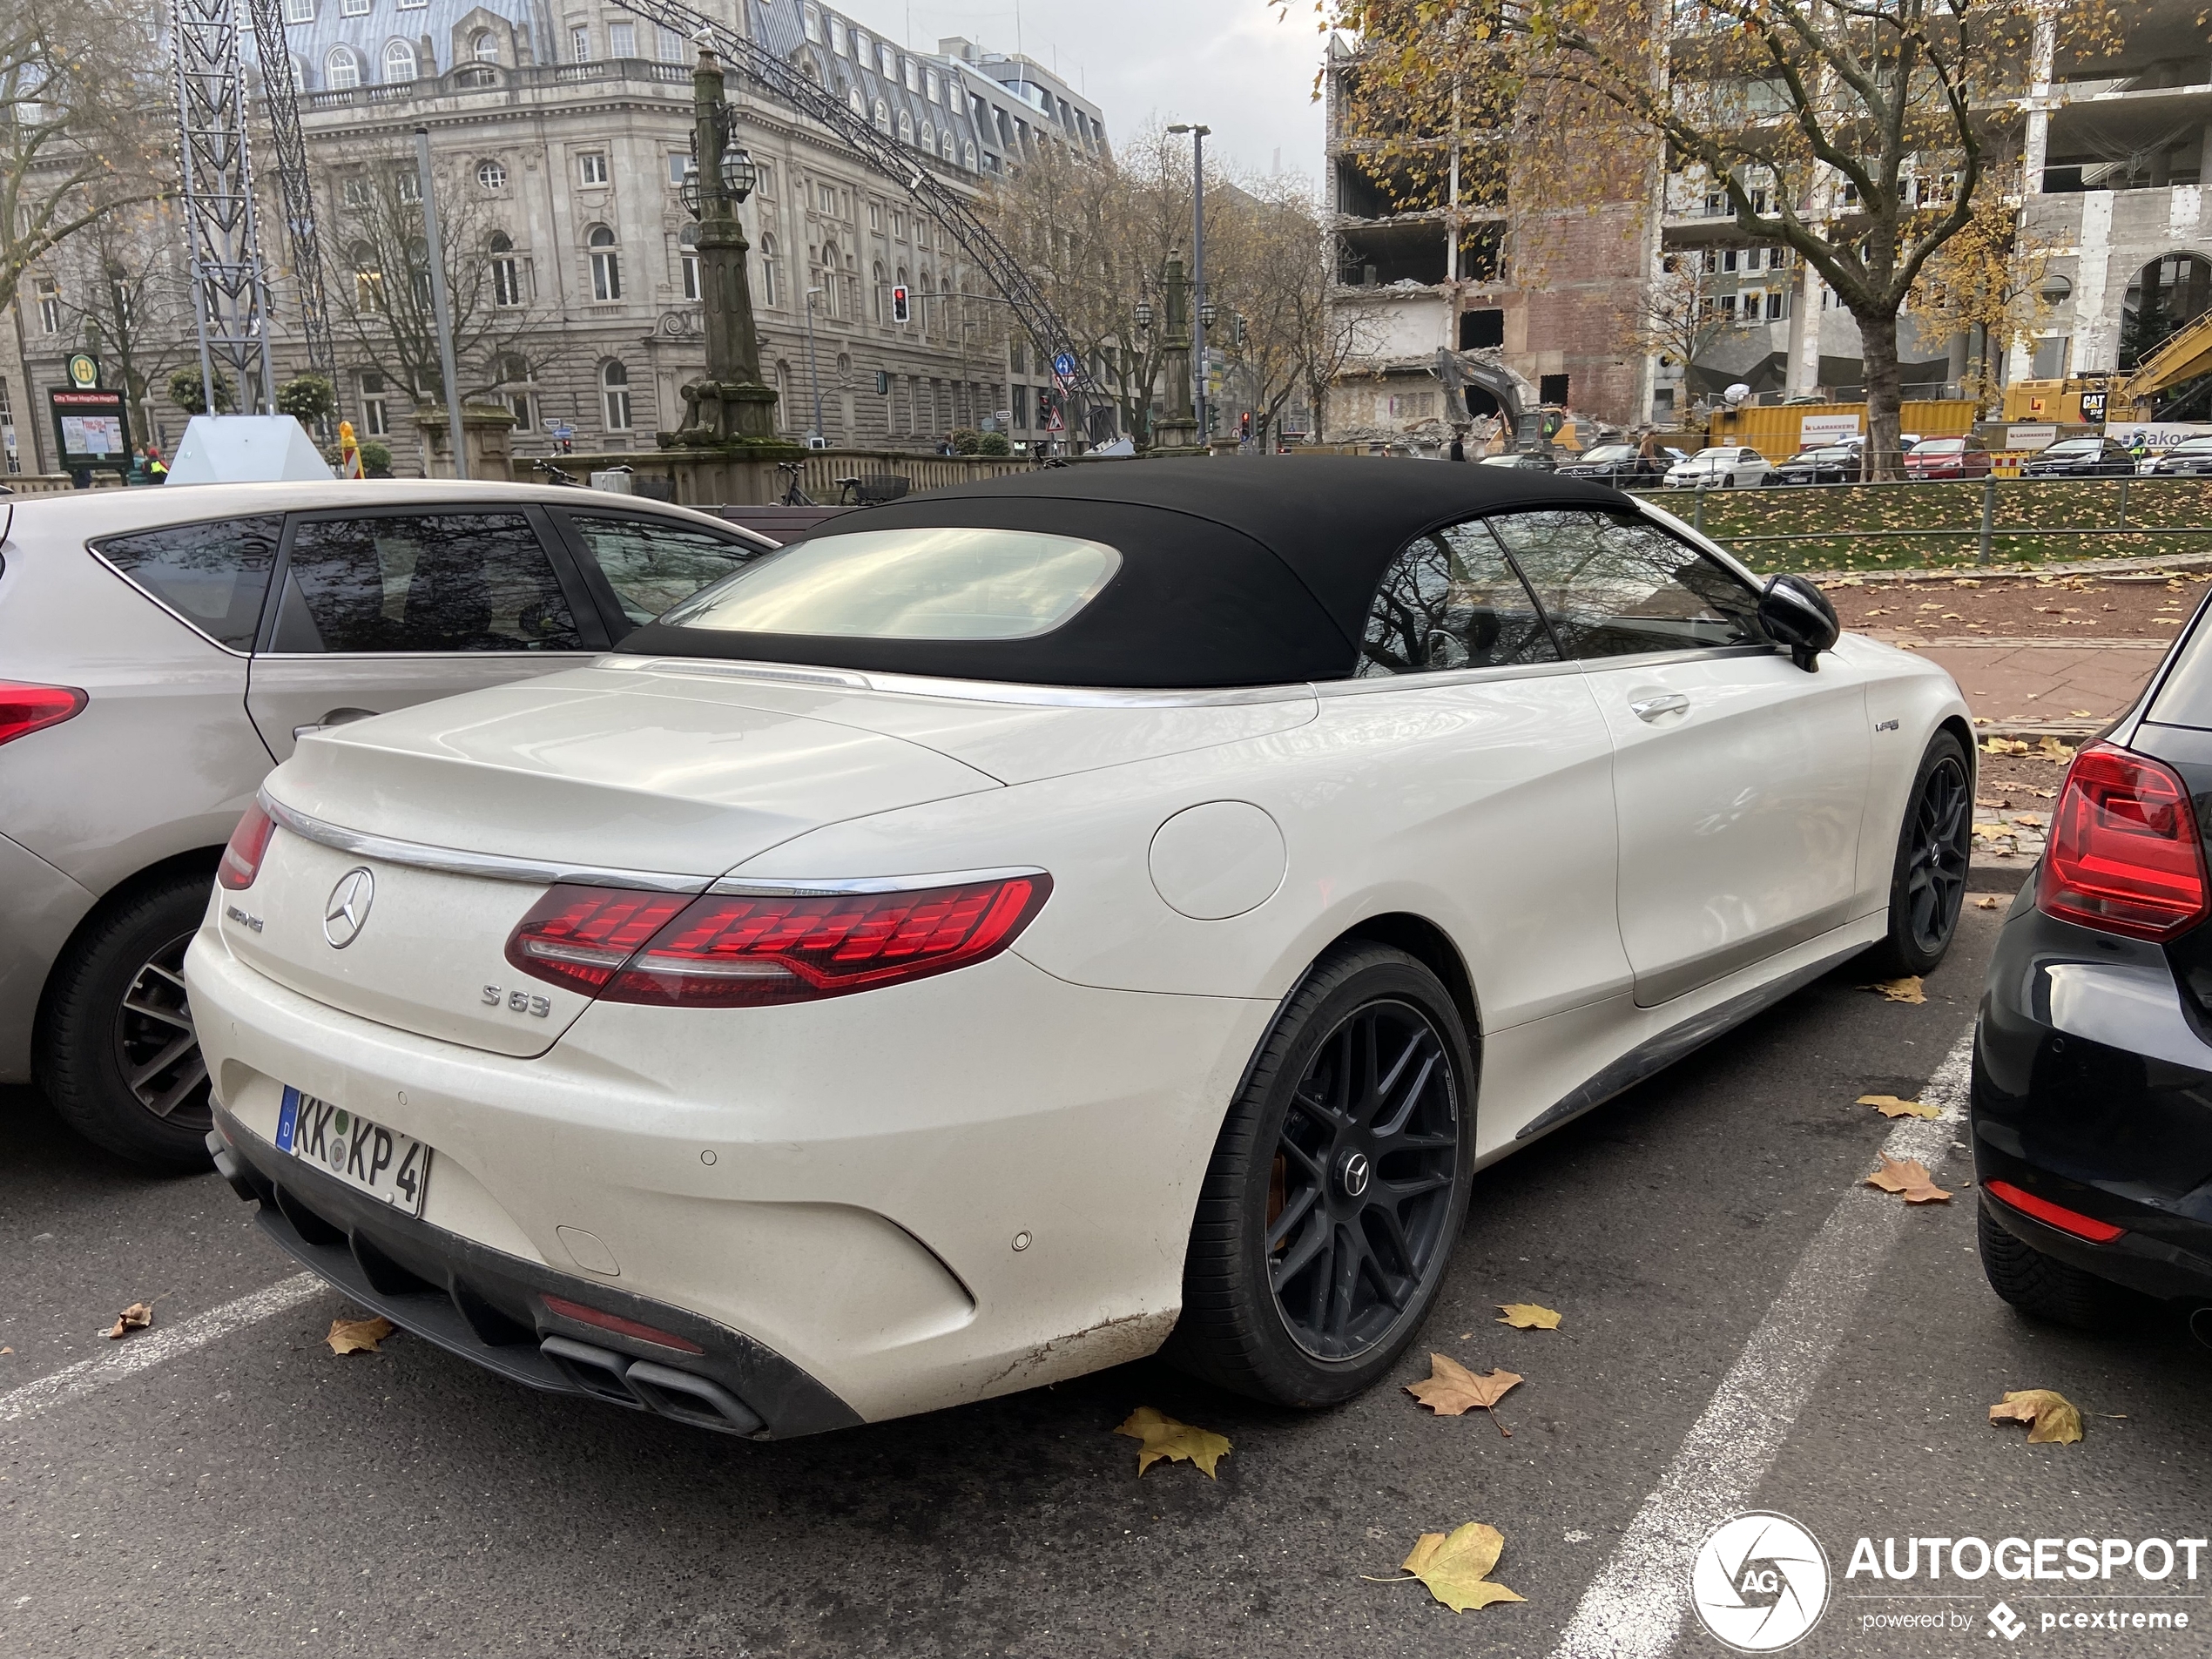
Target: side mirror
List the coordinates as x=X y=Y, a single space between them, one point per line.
x=1796 y=613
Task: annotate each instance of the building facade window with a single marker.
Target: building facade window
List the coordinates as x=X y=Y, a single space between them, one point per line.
x=622 y=40
x=506 y=271
x=687 y=250
x=839 y=42
x=606 y=264
x=591 y=168
x=298 y=11
x=491 y=175
x=772 y=272
x=929 y=135
x=906 y=128
x=483 y=46
x=368 y=280
x=813 y=17
x=882 y=116
x=376 y=417
x=517 y=379
x=854 y=99
x=399 y=61
x=341 y=70
x=353 y=8
x=614 y=383
x=876 y=292
x=580 y=43
x=670 y=45
x=49 y=306
x=408 y=182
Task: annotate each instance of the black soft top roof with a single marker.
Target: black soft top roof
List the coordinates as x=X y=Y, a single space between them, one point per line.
x=1236 y=570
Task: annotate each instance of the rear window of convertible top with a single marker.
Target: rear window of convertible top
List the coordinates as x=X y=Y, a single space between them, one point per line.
x=948 y=583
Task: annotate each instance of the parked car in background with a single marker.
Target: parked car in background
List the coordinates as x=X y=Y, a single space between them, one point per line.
x=1830 y=464
x=1946 y=458
x=2081 y=458
x=2091 y=1097
x=2191 y=458
x=1032 y=922
x=1618 y=464
x=162 y=648
x=1721 y=467
x=1521 y=461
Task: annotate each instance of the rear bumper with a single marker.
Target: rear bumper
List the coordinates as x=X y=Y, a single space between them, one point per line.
x=2093 y=1090
x=490 y=1308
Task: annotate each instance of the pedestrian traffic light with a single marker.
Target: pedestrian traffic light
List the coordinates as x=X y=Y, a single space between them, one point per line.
x=901 y=310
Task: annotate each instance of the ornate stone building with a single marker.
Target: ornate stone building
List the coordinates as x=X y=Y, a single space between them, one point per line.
x=561 y=129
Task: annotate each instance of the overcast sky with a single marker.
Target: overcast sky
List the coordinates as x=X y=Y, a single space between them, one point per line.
x=1233 y=64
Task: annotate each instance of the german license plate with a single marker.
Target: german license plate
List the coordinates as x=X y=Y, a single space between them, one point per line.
x=380 y=1161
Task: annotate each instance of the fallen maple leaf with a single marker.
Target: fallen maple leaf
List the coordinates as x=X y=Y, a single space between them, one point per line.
x=2051 y=1418
x=1163 y=1437
x=1988 y=901
x=137 y=1316
x=358 y=1336
x=1891 y=1106
x=1456 y=1566
x=1907 y=989
x=1451 y=1390
x=2004 y=747
x=1527 y=1316
x=1909 y=1179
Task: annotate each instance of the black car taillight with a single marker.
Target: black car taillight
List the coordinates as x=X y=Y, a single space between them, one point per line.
x=2123 y=854
x=751 y=950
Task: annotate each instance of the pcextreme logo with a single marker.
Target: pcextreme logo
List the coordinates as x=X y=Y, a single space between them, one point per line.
x=1759 y=1582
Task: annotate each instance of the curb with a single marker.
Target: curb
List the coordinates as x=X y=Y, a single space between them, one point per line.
x=1978 y=572
x=1987 y=872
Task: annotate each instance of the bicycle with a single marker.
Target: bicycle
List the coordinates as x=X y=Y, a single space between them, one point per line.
x=794 y=495
x=557 y=475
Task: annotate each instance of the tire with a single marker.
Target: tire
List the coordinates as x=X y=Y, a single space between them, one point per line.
x=1301 y=1171
x=2056 y=1292
x=1928 y=880
x=117 y=1053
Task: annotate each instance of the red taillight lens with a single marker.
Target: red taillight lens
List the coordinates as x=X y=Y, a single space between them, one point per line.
x=578 y=937
x=746 y=950
x=2124 y=854
x=2054 y=1215
x=26 y=708
x=249 y=845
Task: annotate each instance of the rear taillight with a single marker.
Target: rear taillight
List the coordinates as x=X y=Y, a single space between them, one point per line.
x=249 y=845
x=2123 y=854
x=749 y=949
x=26 y=708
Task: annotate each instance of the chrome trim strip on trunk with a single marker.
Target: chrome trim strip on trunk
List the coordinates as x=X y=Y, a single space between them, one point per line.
x=453 y=860
x=960 y=690
x=772 y=887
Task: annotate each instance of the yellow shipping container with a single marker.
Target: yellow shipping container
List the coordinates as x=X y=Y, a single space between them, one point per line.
x=1778 y=432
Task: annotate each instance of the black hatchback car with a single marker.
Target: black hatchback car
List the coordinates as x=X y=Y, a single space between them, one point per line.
x=2092 y=1105
x=2191 y=458
x=2081 y=458
x=1834 y=464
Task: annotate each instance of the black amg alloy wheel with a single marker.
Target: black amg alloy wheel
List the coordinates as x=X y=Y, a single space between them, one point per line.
x=1337 y=1188
x=1928 y=886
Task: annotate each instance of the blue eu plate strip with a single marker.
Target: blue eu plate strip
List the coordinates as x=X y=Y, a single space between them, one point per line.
x=288 y=1119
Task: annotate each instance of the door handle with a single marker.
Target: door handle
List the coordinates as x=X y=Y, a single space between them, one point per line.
x=336 y=717
x=1650 y=708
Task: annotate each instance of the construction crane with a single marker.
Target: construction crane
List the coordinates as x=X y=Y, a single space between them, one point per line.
x=280 y=91
x=788 y=84
x=230 y=295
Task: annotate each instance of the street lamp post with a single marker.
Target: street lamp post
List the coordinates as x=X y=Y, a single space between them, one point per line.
x=1198 y=267
x=729 y=405
x=813 y=367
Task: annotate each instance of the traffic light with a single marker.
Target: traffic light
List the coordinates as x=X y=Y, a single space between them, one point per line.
x=1244 y=426
x=901 y=310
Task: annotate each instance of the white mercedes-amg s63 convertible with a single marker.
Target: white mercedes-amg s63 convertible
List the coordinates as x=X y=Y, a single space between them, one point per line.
x=1026 y=925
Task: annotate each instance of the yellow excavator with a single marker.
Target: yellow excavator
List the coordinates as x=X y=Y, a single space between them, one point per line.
x=2185 y=355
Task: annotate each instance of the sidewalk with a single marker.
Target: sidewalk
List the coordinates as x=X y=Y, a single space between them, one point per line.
x=2043 y=687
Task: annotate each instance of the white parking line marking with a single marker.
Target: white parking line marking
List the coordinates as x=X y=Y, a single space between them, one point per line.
x=1634 y=1606
x=135 y=1354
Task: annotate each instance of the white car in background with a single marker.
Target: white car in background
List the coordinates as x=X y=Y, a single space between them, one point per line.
x=1722 y=467
x=1032 y=922
x=160 y=650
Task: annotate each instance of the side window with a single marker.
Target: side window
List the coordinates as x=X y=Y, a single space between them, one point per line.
x=653 y=566
x=214 y=576
x=1450 y=600
x=1617 y=587
x=443 y=582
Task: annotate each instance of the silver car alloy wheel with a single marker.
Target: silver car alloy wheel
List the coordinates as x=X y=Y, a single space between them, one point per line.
x=155 y=1046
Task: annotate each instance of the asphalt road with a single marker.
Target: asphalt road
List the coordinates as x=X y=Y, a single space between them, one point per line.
x=260 y=1495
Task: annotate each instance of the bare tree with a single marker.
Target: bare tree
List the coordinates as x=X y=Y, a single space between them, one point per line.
x=1677 y=318
x=119 y=282
x=384 y=309
x=80 y=131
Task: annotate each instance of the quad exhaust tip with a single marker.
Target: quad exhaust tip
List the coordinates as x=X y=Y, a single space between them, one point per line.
x=641 y=1385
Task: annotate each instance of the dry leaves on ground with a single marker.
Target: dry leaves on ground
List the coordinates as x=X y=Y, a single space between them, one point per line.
x=1456 y=1566
x=1909 y=1179
x=1163 y=1437
x=2051 y=1418
x=1527 y=1316
x=358 y=1336
x=2057 y=753
x=2004 y=747
x=137 y=1316
x=1891 y=1106
x=1989 y=901
x=1451 y=1390
x=1899 y=990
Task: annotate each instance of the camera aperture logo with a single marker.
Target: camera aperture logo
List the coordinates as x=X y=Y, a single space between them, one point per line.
x=1760 y=1582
